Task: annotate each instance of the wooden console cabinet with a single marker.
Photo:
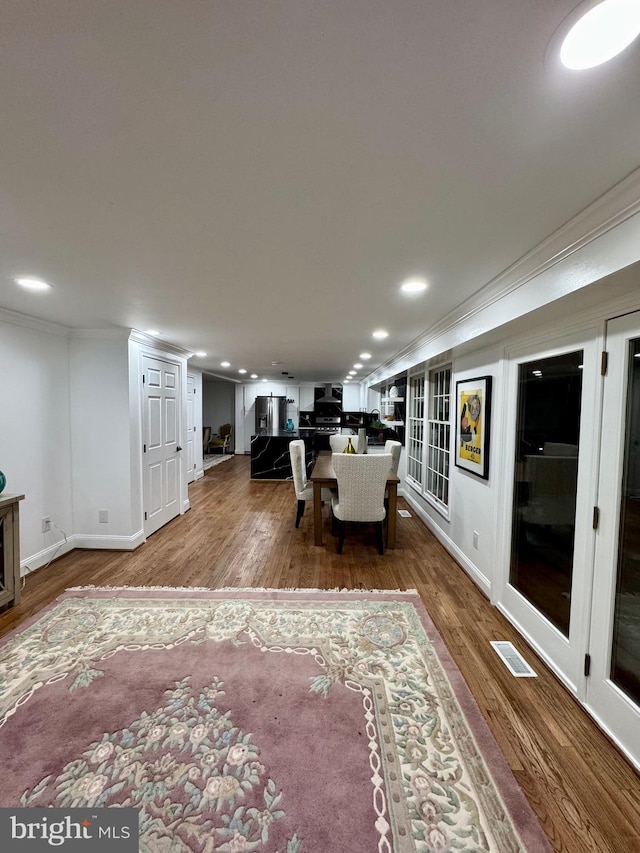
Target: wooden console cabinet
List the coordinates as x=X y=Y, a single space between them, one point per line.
x=9 y=549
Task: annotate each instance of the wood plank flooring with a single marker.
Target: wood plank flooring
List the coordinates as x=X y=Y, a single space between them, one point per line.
x=240 y=533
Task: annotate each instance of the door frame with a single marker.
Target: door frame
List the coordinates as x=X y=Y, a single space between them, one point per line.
x=603 y=698
x=140 y=345
x=563 y=655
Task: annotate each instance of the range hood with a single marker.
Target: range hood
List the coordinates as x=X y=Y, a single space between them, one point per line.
x=328 y=397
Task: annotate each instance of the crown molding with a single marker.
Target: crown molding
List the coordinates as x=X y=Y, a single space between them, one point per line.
x=28 y=322
x=119 y=333
x=151 y=341
x=609 y=211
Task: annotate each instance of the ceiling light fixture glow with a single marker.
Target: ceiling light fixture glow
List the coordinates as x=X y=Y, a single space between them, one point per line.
x=154 y=332
x=603 y=32
x=225 y=364
x=365 y=356
x=380 y=334
x=357 y=365
x=242 y=370
x=413 y=286
x=35 y=284
x=254 y=375
x=201 y=354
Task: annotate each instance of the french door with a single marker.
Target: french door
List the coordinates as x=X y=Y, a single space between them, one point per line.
x=613 y=688
x=551 y=417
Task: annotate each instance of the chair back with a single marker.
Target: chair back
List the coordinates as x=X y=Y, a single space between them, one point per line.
x=206 y=438
x=362 y=479
x=297 y=454
x=338 y=443
x=394 y=448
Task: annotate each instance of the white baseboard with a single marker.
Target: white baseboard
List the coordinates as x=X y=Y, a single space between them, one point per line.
x=37 y=561
x=109 y=543
x=459 y=556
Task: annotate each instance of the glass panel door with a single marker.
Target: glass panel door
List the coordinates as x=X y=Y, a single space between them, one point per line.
x=551 y=416
x=613 y=689
x=545 y=487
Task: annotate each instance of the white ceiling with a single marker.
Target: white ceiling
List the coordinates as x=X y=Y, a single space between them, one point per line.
x=255 y=177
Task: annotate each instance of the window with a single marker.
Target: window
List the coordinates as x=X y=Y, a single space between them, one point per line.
x=439 y=431
x=415 y=447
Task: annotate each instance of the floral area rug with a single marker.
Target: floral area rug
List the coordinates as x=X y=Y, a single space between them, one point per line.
x=277 y=721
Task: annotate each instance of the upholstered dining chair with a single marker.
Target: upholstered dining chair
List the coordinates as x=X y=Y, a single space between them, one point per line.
x=304 y=489
x=338 y=442
x=362 y=479
x=394 y=448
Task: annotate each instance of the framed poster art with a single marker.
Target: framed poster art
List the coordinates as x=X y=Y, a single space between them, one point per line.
x=473 y=419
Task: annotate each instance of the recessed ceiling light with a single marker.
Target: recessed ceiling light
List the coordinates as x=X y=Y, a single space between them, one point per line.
x=601 y=33
x=364 y=355
x=201 y=354
x=225 y=364
x=265 y=380
x=413 y=285
x=352 y=373
x=242 y=370
x=152 y=332
x=254 y=375
x=380 y=334
x=33 y=284
x=357 y=365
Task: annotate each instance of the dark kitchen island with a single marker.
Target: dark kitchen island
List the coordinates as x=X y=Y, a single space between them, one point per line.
x=270 y=453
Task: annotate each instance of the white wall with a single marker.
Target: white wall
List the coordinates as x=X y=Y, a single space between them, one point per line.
x=474 y=504
x=35 y=447
x=101 y=439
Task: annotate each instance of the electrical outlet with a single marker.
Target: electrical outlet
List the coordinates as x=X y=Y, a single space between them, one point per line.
x=475 y=538
x=46 y=524
x=103 y=516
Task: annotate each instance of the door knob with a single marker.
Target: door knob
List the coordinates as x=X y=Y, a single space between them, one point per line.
x=178 y=448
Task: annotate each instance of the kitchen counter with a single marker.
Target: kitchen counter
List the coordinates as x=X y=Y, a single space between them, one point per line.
x=270 y=452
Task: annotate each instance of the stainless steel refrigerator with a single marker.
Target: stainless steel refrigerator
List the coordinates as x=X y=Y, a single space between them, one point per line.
x=271 y=413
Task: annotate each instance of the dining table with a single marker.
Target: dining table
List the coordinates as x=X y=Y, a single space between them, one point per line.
x=324 y=477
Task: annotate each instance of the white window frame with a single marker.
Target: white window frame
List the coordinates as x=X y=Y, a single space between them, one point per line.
x=439 y=398
x=416 y=430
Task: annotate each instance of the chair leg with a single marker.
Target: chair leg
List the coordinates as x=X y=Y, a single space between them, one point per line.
x=300 y=512
x=334 y=524
x=341 y=528
x=379 y=536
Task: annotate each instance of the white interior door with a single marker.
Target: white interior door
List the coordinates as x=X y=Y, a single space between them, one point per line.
x=191 y=428
x=161 y=436
x=613 y=687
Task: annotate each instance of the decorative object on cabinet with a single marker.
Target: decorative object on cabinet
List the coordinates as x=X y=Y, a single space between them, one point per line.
x=9 y=549
x=3 y=481
x=473 y=421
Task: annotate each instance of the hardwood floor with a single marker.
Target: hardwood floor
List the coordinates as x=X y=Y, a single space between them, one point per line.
x=240 y=533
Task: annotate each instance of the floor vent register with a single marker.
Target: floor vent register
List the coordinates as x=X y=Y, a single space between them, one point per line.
x=513 y=660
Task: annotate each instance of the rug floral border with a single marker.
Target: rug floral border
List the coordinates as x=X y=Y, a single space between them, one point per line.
x=432 y=786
